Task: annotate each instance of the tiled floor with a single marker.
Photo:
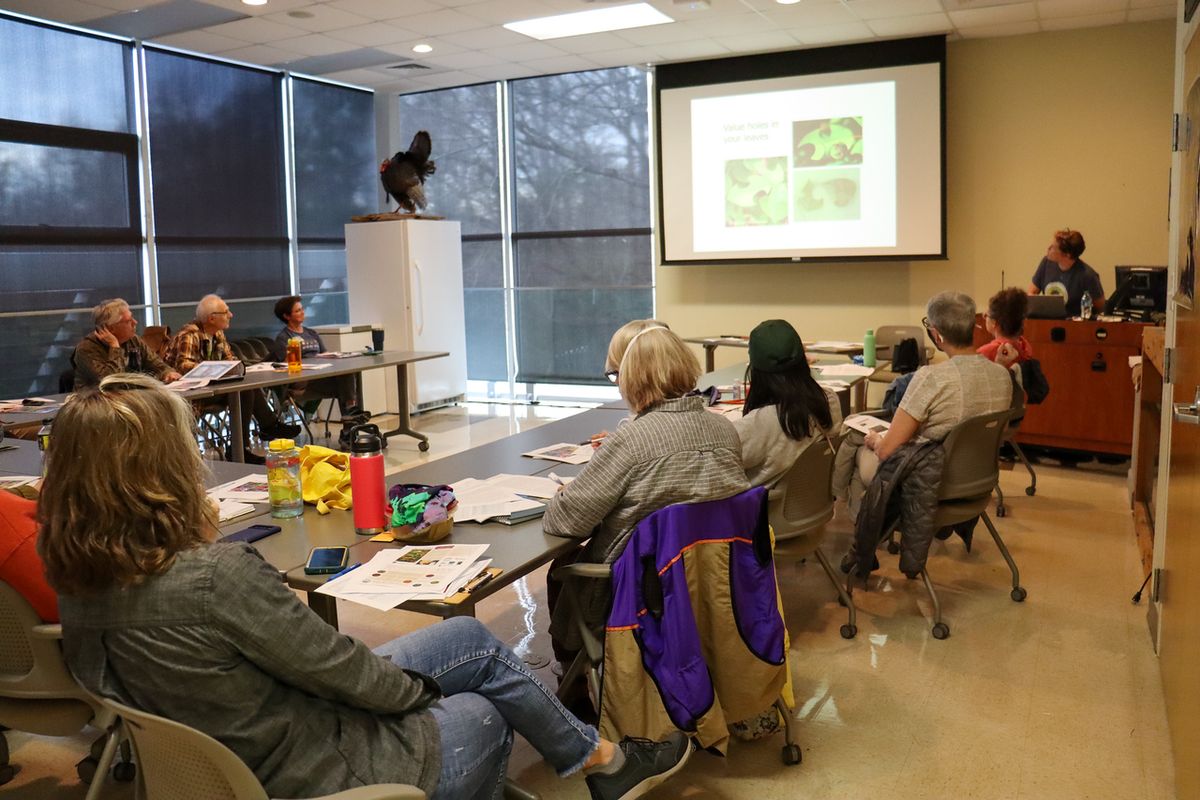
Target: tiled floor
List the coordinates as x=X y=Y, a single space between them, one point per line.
x=1056 y=698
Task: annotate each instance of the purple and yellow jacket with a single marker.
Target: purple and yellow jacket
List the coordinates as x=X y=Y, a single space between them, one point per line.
x=695 y=637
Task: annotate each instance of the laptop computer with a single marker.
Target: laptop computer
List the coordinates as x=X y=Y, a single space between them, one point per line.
x=1046 y=306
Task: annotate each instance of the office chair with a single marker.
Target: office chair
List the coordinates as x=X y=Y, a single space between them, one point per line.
x=1010 y=439
x=181 y=763
x=799 y=505
x=38 y=694
x=690 y=574
x=970 y=472
x=886 y=338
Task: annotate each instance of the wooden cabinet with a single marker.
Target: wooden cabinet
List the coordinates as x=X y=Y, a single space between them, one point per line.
x=1090 y=406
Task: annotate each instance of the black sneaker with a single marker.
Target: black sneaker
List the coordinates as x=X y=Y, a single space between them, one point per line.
x=647 y=764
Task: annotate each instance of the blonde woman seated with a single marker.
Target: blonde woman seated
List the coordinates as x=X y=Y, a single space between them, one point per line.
x=785 y=408
x=671 y=451
x=157 y=616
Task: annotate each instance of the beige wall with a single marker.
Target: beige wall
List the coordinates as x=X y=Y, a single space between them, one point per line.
x=1043 y=131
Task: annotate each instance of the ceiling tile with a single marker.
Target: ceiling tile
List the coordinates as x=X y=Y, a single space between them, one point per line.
x=1152 y=13
x=357 y=77
x=323 y=19
x=316 y=44
x=485 y=38
x=447 y=80
x=685 y=51
x=273 y=7
x=832 y=34
x=809 y=14
x=467 y=59
x=125 y=5
x=919 y=25
x=501 y=72
x=373 y=34
x=592 y=43
x=1086 y=21
x=729 y=25
x=256 y=30
x=881 y=9
x=440 y=48
x=383 y=9
x=621 y=58
x=437 y=23
x=1005 y=29
x=525 y=52
x=260 y=54
x=757 y=42
x=553 y=66
x=1048 y=9
x=499 y=12
x=995 y=15
x=70 y=11
x=200 y=42
x=657 y=34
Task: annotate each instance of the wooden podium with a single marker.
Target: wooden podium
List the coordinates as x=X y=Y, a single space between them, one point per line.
x=1090 y=405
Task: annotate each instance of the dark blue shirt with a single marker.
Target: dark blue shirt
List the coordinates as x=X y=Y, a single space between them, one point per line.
x=1078 y=279
x=312 y=343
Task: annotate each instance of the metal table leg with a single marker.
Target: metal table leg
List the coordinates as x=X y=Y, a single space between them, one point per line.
x=237 y=432
x=404 y=426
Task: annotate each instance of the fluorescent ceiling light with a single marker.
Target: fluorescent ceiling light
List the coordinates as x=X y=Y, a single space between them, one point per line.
x=422 y=48
x=578 y=23
x=255 y=2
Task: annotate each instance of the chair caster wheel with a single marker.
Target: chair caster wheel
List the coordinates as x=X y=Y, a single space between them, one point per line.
x=1018 y=594
x=7 y=773
x=792 y=755
x=849 y=631
x=86 y=770
x=423 y=446
x=125 y=772
x=941 y=630
x=1001 y=511
x=893 y=548
x=1031 y=490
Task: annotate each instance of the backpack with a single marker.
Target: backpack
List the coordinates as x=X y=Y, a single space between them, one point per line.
x=1034 y=381
x=906 y=356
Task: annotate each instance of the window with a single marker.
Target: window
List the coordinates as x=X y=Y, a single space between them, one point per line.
x=581 y=185
x=216 y=155
x=70 y=230
x=336 y=179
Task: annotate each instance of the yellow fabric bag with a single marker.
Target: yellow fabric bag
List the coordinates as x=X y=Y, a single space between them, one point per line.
x=325 y=478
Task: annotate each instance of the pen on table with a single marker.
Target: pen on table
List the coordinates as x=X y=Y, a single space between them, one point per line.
x=350 y=568
x=477 y=581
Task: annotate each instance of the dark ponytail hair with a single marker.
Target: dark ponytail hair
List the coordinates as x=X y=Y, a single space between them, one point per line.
x=796 y=395
x=1007 y=307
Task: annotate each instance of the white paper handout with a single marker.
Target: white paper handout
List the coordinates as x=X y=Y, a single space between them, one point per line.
x=250 y=489
x=849 y=370
x=564 y=452
x=479 y=501
x=395 y=576
x=866 y=424
x=231 y=509
x=17 y=481
x=833 y=385
x=834 y=347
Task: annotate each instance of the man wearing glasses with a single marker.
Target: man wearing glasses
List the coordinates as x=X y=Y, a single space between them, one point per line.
x=114 y=346
x=203 y=339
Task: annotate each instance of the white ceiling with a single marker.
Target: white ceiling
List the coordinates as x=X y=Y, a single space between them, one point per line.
x=470 y=46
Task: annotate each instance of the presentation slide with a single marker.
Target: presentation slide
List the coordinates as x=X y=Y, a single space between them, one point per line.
x=844 y=165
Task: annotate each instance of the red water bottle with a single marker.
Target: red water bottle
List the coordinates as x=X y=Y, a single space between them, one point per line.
x=366 y=480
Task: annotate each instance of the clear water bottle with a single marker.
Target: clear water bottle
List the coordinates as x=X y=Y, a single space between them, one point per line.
x=1085 y=306
x=283 y=479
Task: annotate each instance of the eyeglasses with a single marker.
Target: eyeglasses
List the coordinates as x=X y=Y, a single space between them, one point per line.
x=929 y=330
x=611 y=375
x=225 y=313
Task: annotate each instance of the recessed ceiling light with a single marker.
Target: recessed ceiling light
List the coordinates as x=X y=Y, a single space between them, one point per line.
x=255 y=2
x=579 y=23
x=422 y=48
x=787 y=2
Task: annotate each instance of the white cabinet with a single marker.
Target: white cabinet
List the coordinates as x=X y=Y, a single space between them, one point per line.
x=406 y=275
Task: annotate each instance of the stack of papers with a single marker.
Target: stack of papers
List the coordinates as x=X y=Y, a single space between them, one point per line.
x=834 y=347
x=234 y=499
x=564 y=452
x=850 y=370
x=504 y=498
x=833 y=385
x=395 y=576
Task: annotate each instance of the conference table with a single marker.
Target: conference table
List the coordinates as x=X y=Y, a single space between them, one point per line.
x=263 y=379
x=517 y=550
x=711 y=343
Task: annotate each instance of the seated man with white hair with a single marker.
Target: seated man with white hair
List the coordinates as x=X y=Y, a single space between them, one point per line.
x=203 y=339
x=114 y=346
x=940 y=396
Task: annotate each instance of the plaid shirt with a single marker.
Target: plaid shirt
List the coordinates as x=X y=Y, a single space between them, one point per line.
x=192 y=345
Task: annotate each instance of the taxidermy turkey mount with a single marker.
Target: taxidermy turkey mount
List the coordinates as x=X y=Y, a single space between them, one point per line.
x=404 y=174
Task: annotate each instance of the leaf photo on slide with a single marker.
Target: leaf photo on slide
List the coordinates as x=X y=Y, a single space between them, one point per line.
x=824 y=142
x=756 y=192
x=828 y=194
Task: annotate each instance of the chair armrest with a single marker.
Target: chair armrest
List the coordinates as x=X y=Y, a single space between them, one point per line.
x=583 y=570
x=46 y=631
x=382 y=791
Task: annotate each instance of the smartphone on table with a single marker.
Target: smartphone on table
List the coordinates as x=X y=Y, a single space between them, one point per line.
x=326 y=560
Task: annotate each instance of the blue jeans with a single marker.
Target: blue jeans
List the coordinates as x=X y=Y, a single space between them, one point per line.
x=488 y=694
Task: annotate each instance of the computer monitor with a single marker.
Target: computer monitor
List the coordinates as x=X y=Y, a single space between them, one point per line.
x=1140 y=291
